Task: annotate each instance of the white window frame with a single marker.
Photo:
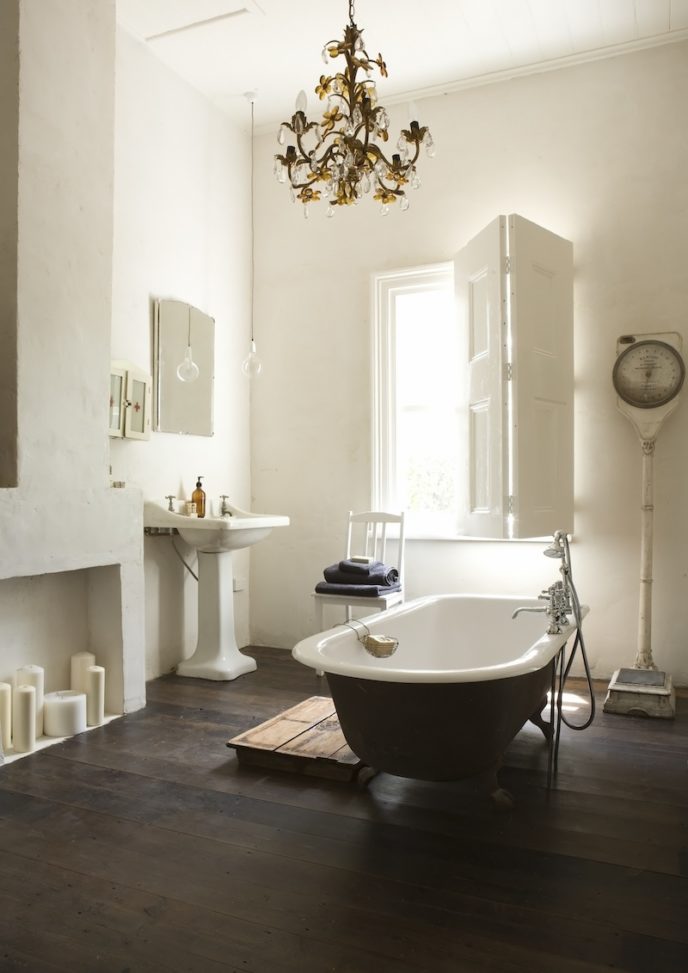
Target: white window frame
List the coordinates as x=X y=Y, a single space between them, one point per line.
x=386 y=286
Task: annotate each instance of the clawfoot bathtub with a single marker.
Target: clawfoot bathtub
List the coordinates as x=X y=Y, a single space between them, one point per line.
x=463 y=680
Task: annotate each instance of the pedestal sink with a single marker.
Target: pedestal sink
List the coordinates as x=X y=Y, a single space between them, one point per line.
x=217 y=654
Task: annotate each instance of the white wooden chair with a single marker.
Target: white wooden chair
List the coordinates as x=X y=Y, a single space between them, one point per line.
x=368 y=534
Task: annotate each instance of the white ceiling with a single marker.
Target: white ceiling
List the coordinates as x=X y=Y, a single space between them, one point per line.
x=273 y=47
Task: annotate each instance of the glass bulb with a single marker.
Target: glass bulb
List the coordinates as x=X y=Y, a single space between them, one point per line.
x=301 y=102
x=188 y=370
x=252 y=366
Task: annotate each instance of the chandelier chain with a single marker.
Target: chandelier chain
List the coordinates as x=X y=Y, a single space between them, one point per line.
x=352 y=12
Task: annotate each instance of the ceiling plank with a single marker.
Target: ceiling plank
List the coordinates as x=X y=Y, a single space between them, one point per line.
x=653 y=17
x=147 y=18
x=518 y=25
x=585 y=24
x=679 y=14
x=552 y=28
x=618 y=21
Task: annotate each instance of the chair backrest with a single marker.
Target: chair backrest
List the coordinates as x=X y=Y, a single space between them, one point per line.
x=368 y=533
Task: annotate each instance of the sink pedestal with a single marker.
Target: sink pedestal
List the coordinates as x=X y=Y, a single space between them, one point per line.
x=217 y=654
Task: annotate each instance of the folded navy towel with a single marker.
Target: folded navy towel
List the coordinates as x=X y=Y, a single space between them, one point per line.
x=366 y=590
x=357 y=567
x=376 y=573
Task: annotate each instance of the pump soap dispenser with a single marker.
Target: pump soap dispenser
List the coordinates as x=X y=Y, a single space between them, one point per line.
x=198 y=497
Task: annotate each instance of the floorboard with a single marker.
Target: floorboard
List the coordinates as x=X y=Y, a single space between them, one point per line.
x=143 y=847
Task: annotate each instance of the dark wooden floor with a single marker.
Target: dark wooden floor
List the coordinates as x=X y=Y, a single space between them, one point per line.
x=141 y=847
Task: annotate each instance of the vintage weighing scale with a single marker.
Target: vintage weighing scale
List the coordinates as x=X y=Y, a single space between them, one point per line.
x=648 y=375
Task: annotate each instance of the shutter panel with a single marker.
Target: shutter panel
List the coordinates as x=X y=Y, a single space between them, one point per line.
x=541 y=323
x=479 y=280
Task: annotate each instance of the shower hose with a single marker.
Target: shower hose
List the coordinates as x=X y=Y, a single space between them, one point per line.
x=560 y=549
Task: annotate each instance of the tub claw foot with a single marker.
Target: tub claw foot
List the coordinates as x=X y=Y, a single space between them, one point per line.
x=364 y=776
x=502 y=799
x=536 y=718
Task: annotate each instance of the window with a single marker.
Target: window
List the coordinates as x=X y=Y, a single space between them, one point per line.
x=418 y=446
x=473 y=395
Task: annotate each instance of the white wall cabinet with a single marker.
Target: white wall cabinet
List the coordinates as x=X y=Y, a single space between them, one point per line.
x=129 y=412
x=514 y=292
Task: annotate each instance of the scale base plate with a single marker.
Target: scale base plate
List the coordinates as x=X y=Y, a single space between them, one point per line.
x=641 y=692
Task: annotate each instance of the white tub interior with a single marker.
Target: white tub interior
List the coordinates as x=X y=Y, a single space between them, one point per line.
x=442 y=638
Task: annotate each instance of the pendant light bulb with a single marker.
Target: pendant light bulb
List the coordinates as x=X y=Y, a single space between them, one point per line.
x=252 y=365
x=187 y=369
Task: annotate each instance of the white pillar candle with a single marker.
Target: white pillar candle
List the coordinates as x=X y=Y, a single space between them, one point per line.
x=24 y=719
x=95 y=695
x=6 y=715
x=80 y=662
x=64 y=713
x=33 y=676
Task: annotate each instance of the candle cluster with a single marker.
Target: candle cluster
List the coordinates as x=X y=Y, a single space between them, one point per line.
x=27 y=712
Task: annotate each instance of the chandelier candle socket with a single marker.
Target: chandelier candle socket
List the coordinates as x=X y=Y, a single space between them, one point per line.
x=341 y=157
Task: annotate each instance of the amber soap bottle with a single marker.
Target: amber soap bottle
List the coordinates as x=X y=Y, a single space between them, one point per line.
x=198 y=497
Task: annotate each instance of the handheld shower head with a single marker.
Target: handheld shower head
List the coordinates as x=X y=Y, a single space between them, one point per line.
x=557 y=548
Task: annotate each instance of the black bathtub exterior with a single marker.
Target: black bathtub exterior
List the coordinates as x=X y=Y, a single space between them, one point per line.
x=436 y=731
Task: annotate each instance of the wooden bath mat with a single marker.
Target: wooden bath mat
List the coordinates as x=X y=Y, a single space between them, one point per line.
x=305 y=739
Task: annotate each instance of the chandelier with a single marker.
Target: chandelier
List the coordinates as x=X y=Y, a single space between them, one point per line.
x=341 y=158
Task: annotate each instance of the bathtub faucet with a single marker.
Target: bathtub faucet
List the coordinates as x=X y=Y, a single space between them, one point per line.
x=557 y=607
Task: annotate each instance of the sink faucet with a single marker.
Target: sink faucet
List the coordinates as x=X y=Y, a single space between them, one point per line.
x=224 y=508
x=557 y=607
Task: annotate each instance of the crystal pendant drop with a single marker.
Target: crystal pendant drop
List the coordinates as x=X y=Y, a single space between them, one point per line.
x=404 y=204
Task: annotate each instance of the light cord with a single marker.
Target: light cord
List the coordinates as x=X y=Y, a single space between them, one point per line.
x=253 y=232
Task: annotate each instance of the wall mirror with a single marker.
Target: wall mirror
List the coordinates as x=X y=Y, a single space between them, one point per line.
x=183 y=368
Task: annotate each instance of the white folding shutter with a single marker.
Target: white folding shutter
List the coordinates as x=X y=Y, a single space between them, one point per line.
x=479 y=281
x=541 y=322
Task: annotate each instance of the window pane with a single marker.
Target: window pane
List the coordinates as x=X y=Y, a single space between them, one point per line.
x=427 y=402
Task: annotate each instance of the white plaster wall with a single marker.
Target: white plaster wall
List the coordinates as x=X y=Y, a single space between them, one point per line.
x=62 y=517
x=181 y=230
x=9 y=173
x=598 y=153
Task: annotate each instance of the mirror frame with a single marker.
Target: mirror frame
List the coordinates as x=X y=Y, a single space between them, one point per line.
x=160 y=424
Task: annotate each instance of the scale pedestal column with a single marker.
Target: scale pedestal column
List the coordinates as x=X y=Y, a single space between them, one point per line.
x=643 y=690
x=217 y=654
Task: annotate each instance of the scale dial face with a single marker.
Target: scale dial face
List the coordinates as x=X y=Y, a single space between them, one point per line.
x=648 y=374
